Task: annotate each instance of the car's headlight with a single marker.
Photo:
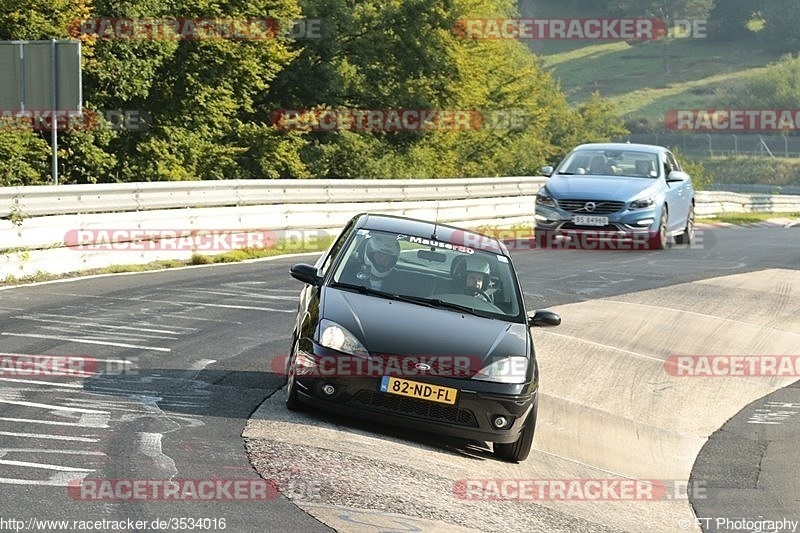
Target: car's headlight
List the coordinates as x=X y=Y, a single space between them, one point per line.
x=641 y=203
x=335 y=337
x=543 y=198
x=505 y=370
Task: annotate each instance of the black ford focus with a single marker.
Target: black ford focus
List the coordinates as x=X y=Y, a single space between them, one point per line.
x=421 y=325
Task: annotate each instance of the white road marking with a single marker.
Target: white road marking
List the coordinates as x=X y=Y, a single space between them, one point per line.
x=53 y=407
x=37 y=450
x=183 y=304
x=69 y=385
x=85 y=422
x=609 y=347
x=45 y=466
x=236 y=294
x=59 y=479
x=46 y=436
x=77 y=321
x=86 y=341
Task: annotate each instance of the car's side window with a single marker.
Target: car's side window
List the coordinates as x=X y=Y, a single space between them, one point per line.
x=335 y=249
x=667 y=165
x=673 y=162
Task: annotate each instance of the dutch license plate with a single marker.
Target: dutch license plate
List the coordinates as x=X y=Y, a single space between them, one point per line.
x=415 y=389
x=583 y=220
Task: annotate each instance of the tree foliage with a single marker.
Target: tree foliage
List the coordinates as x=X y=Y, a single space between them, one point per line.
x=207 y=106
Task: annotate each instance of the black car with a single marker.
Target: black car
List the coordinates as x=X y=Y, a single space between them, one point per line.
x=421 y=325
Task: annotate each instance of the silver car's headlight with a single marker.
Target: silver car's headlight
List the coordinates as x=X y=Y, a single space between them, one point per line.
x=641 y=203
x=335 y=337
x=543 y=198
x=506 y=370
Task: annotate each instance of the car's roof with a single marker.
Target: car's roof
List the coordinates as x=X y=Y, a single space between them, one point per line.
x=622 y=146
x=431 y=230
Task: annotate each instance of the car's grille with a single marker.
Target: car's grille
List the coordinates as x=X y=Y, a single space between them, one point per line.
x=602 y=207
x=417 y=408
x=570 y=226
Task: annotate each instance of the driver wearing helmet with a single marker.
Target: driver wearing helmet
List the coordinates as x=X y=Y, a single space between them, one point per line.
x=380 y=256
x=477 y=278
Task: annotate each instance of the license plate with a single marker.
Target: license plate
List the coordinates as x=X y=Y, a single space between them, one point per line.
x=415 y=389
x=583 y=220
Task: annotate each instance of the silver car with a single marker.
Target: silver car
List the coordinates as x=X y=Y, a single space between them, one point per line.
x=636 y=194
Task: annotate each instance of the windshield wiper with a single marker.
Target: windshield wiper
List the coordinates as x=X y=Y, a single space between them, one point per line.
x=435 y=302
x=363 y=289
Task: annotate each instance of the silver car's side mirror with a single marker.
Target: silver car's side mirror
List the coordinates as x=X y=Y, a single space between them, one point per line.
x=546 y=171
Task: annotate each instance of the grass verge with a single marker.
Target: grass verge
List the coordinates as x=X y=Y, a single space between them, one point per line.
x=234 y=256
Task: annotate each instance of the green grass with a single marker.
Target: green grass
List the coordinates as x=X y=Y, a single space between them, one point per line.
x=282 y=247
x=634 y=77
x=747 y=218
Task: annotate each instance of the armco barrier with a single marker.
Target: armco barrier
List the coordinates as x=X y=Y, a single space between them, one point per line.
x=35 y=220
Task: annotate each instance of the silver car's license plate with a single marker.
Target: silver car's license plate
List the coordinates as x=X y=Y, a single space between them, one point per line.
x=584 y=220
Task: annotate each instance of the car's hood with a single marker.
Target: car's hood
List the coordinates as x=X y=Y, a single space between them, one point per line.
x=598 y=187
x=391 y=327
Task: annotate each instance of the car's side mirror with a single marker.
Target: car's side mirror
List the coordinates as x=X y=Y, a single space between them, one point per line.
x=543 y=319
x=546 y=171
x=677 y=175
x=305 y=273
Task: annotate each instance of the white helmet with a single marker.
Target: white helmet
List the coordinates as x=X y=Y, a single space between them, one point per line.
x=381 y=254
x=479 y=265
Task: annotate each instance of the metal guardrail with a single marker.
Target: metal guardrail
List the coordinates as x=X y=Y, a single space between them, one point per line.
x=35 y=221
x=121 y=197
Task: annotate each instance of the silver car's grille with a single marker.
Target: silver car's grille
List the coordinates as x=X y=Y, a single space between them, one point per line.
x=601 y=207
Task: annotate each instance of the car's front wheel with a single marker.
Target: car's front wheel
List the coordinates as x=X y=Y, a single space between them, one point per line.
x=293 y=402
x=519 y=450
x=658 y=239
x=688 y=233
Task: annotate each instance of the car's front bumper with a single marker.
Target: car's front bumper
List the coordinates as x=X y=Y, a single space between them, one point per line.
x=625 y=225
x=470 y=418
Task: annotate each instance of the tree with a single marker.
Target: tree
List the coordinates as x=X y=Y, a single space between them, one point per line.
x=781 y=29
x=728 y=19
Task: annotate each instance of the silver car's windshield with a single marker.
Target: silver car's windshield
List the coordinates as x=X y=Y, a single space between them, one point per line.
x=629 y=163
x=432 y=273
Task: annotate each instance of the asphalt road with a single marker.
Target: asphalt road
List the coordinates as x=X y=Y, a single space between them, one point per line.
x=196 y=345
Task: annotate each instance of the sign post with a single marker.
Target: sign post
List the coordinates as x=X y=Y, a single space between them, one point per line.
x=41 y=76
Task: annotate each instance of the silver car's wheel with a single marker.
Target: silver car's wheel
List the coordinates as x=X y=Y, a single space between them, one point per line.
x=688 y=233
x=658 y=241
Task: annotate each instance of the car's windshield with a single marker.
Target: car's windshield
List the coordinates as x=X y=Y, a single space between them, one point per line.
x=629 y=163
x=432 y=273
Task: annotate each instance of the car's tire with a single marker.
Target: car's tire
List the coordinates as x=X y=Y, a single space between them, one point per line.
x=293 y=402
x=688 y=232
x=519 y=450
x=658 y=240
